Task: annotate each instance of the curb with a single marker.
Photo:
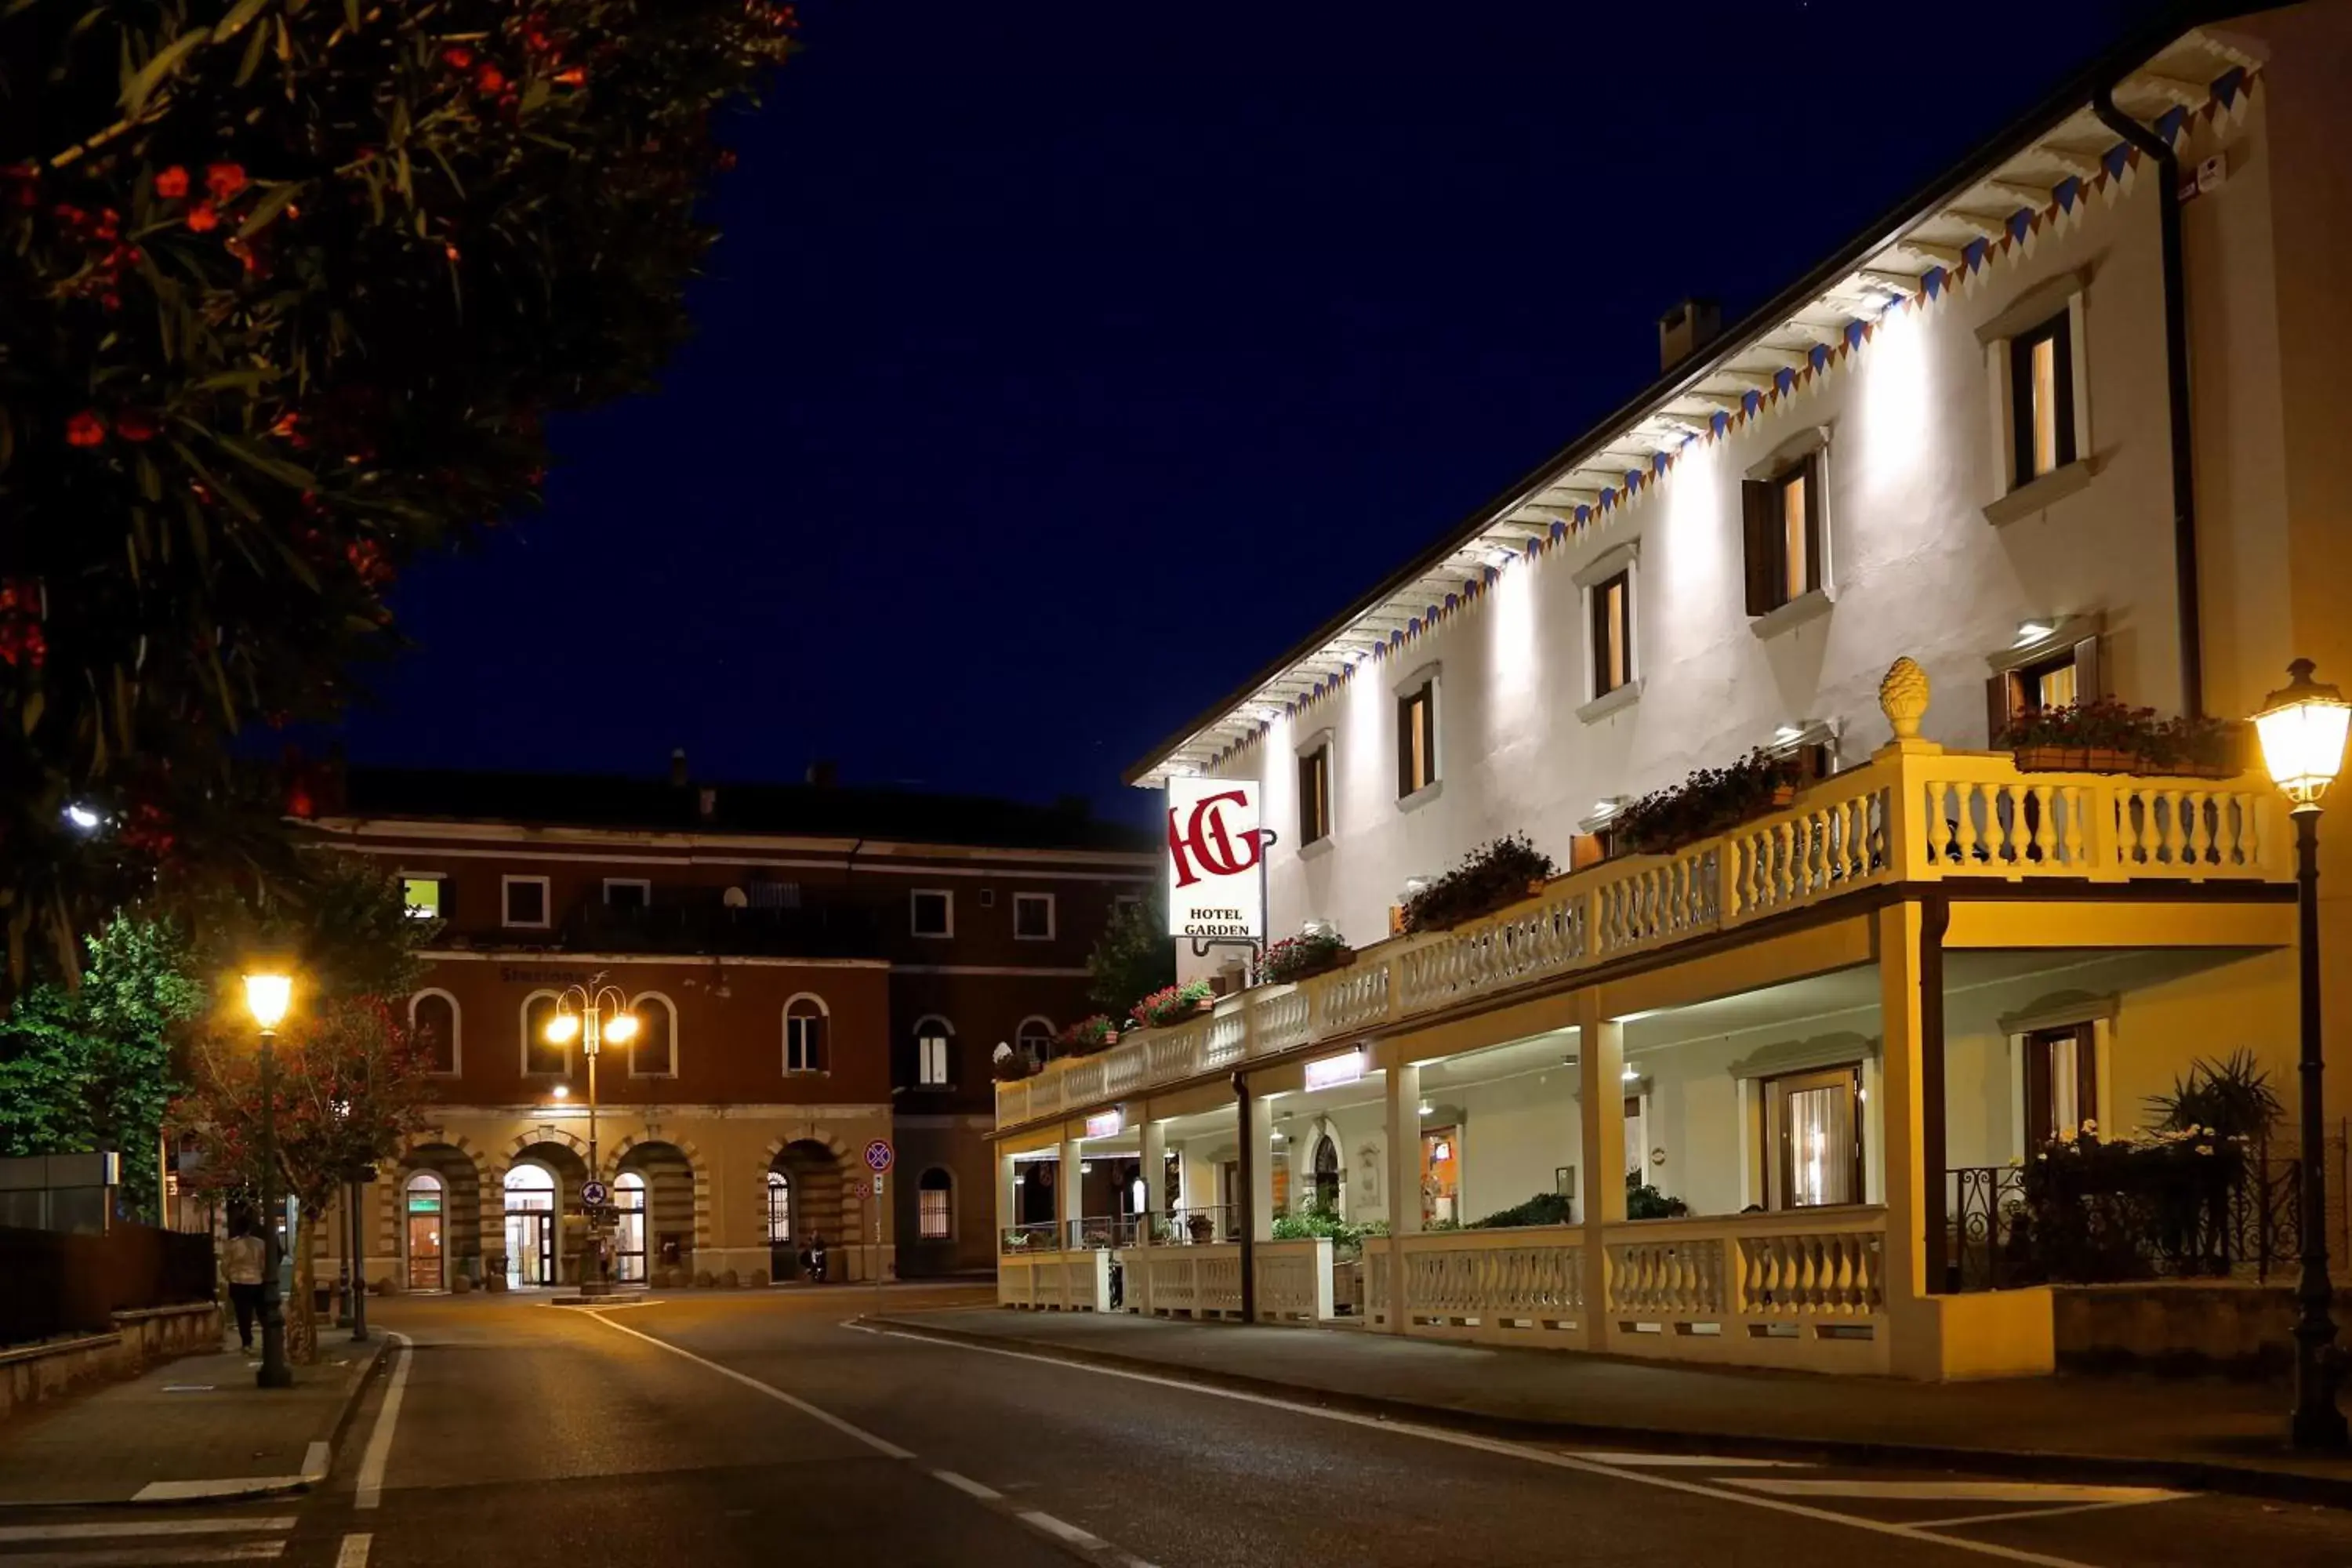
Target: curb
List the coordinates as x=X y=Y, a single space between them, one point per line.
x=2097 y=1470
x=261 y=1486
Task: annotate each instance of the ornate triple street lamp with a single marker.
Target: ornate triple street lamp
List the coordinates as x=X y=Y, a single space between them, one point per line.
x=592 y=1013
x=268 y=994
x=2303 y=730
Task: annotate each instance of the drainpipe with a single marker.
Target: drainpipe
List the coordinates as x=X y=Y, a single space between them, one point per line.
x=2176 y=373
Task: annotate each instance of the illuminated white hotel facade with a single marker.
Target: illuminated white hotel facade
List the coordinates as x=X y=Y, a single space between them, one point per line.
x=1931 y=487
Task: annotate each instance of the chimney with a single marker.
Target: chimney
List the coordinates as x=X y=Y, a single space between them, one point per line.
x=824 y=773
x=677 y=767
x=1685 y=330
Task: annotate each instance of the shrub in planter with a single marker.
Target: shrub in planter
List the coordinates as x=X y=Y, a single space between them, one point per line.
x=1544 y=1209
x=1708 y=802
x=1644 y=1201
x=2194 y=747
x=1088 y=1036
x=1172 y=1003
x=1296 y=957
x=2100 y=737
x=1488 y=878
x=1009 y=1066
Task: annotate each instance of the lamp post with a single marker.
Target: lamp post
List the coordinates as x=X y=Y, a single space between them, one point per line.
x=581 y=1013
x=266 y=997
x=2303 y=728
x=355 y=1262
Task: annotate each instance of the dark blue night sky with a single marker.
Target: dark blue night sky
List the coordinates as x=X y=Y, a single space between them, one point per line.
x=1033 y=323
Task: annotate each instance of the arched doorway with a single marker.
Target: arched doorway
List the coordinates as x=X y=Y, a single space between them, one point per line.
x=804 y=1205
x=530 y=1226
x=629 y=1231
x=423 y=1215
x=665 y=1188
x=457 y=1219
x=1324 y=1171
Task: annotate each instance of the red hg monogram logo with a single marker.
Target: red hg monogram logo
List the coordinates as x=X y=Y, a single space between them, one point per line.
x=1205 y=846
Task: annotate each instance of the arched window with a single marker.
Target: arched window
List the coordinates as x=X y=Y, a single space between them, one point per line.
x=629 y=1233
x=780 y=1208
x=542 y=1056
x=1034 y=1038
x=934 y=1053
x=805 y=1029
x=935 y=1205
x=653 y=1053
x=433 y=1023
x=422 y=1218
x=1327 y=1173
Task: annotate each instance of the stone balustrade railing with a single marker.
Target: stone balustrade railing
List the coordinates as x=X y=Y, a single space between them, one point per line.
x=1803 y=1288
x=1908 y=815
x=1204 y=1280
x=1060 y=1281
x=1499 y=1286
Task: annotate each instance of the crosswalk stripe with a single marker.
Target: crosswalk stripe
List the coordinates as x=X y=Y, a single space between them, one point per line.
x=1950 y=1491
x=104 y=1528
x=1685 y=1461
x=145 y=1556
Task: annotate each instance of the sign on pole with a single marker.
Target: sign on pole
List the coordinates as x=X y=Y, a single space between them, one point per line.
x=593 y=1194
x=1216 y=887
x=877 y=1184
x=879 y=1156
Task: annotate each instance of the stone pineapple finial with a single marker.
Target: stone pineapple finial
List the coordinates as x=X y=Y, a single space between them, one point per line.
x=1903 y=698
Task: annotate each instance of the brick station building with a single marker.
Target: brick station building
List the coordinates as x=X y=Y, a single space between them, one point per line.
x=813 y=968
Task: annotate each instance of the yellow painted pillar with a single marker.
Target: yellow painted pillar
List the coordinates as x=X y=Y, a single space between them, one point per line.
x=1912 y=1316
x=1601 y=1158
x=1405 y=1181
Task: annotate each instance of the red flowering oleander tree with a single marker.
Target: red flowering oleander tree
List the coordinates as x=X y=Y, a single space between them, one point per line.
x=288 y=289
x=353 y=1084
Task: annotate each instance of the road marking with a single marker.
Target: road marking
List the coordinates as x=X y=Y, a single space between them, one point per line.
x=147 y=1556
x=1556 y=1459
x=369 y=1493
x=1686 y=1461
x=1954 y=1491
x=1093 y=1546
x=1962 y=1522
x=142 y=1527
x=224 y=1487
x=315 y=1460
x=879 y=1445
x=969 y=1487
x=353 y=1552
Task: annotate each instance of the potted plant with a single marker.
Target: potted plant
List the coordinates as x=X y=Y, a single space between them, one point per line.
x=1709 y=800
x=2197 y=747
x=1009 y=1066
x=1174 y=1004
x=1088 y=1036
x=2099 y=737
x=1490 y=878
x=1202 y=1228
x=1309 y=953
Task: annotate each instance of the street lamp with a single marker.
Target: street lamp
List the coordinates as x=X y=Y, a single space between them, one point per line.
x=268 y=994
x=355 y=1252
x=592 y=1013
x=2302 y=728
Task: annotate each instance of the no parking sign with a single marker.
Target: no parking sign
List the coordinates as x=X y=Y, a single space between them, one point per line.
x=879 y=1156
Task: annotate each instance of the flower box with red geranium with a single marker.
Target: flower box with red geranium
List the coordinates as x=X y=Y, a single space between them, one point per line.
x=1710 y=801
x=1490 y=878
x=1174 y=1003
x=1304 y=956
x=1087 y=1037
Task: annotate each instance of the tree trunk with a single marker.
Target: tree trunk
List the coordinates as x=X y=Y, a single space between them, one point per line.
x=302 y=1312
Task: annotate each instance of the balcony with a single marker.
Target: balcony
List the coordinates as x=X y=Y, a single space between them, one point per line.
x=822 y=932
x=1915 y=814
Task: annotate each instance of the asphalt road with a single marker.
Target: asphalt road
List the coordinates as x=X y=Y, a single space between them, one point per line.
x=754 y=1427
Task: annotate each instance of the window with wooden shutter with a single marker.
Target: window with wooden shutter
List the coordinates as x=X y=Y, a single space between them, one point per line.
x=1417 y=739
x=2068 y=677
x=1780 y=518
x=1315 y=794
x=2042 y=398
x=1612 y=634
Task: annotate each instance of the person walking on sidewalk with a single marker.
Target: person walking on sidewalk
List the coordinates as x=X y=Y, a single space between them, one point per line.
x=243 y=1260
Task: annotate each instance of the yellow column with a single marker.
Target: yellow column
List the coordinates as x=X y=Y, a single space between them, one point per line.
x=1404 y=1180
x=1913 y=1317
x=1601 y=1159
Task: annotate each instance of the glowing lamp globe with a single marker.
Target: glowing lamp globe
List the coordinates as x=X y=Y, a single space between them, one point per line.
x=622 y=1029
x=2302 y=728
x=564 y=1028
x=266 y=997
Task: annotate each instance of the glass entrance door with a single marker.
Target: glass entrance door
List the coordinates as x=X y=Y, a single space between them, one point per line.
x=531 y=1227
x=424 y=1251
x=629 y=1234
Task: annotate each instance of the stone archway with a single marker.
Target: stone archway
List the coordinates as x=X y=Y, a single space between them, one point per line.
x=557 y=1261
x=468 y=1195
x=676 y=1200
x=815 y=1203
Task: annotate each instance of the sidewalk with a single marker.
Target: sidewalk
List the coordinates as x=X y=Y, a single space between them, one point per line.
x=187 y=1430
x=2205 y=1435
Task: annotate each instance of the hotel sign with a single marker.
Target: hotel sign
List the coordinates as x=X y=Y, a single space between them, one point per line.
x=1330 y=1072
x=1106 y=1124
x=1216 y=865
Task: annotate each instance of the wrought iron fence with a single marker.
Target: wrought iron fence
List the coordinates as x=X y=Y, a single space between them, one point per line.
x=2242 y=1219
